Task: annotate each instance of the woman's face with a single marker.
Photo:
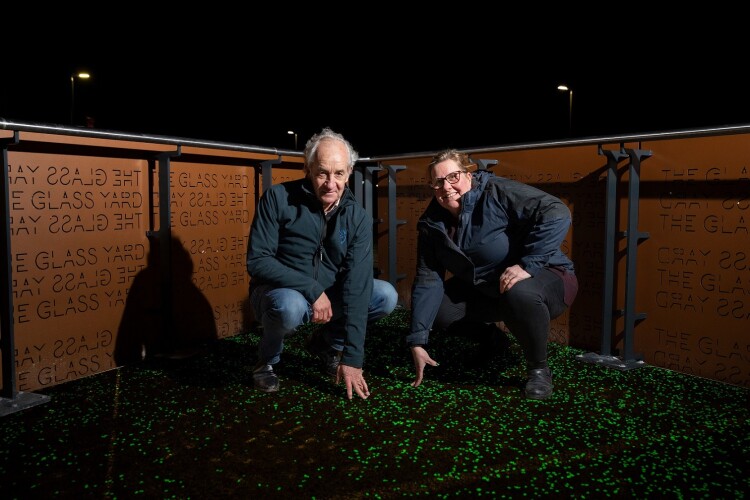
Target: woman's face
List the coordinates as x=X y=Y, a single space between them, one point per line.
x=449 y=194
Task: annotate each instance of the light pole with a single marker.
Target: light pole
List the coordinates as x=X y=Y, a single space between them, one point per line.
x=565 y=88
x=82 y=76
x=292 y=132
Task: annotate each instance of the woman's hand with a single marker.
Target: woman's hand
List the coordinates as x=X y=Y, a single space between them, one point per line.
x=421 y=358
x=511 y=276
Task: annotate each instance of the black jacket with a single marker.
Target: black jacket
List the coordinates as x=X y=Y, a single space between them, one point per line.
x=293 y=246
x=502 y=223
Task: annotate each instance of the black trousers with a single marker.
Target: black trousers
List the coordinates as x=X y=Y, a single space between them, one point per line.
x=527 y=309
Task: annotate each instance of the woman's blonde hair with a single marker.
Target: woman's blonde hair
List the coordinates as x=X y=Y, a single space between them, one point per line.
x=461 y=159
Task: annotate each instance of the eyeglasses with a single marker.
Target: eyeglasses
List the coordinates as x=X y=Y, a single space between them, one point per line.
x=452 y=178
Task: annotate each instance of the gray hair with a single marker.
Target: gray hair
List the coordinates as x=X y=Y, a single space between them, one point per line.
x=311 y=148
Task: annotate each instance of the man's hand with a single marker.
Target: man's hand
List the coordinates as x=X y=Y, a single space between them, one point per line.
x=322 y=310
x=421 y=358
x=354 y=380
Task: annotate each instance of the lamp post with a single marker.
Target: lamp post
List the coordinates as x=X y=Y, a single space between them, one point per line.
x=82 y=76
x=565 y=88
x=292 y=132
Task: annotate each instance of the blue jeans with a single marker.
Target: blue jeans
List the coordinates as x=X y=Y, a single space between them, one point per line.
x=282 y=310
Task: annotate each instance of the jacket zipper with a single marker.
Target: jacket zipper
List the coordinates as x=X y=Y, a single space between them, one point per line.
x=319 y=253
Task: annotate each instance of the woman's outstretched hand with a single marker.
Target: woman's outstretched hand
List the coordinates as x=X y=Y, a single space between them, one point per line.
x=421 y=358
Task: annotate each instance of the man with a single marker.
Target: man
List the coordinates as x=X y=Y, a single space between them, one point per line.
x=310 y=260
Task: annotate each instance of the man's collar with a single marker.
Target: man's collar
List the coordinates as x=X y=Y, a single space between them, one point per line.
x=333 y=208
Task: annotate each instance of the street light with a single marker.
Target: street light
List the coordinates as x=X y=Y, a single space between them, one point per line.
x=82 y=76
x=292 y=132
x=565 y=88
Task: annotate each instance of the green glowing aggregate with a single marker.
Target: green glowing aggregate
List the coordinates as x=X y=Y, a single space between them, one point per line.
x=197 y=429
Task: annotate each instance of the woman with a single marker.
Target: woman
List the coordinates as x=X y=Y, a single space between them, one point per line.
x=500 y=241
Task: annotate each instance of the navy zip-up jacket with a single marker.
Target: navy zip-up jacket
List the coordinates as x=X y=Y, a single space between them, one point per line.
x=293 y=246
x=502 y=223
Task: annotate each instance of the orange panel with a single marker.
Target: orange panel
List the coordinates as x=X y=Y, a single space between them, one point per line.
x=693 y=270
x=86 y=275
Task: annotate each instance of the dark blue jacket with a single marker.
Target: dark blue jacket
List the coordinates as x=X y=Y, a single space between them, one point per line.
x=293 y=246
x=502 y=222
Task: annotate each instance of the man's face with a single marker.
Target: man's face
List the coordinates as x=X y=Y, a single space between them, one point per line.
x=331 y=173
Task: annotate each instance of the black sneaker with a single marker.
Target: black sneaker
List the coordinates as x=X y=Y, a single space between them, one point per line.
x=328 y=356
x=539 y=385
x=264 y=379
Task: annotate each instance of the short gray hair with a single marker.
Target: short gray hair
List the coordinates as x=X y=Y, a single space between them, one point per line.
x=311 y=148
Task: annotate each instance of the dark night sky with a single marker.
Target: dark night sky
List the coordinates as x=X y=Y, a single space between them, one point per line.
x=387 y=93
